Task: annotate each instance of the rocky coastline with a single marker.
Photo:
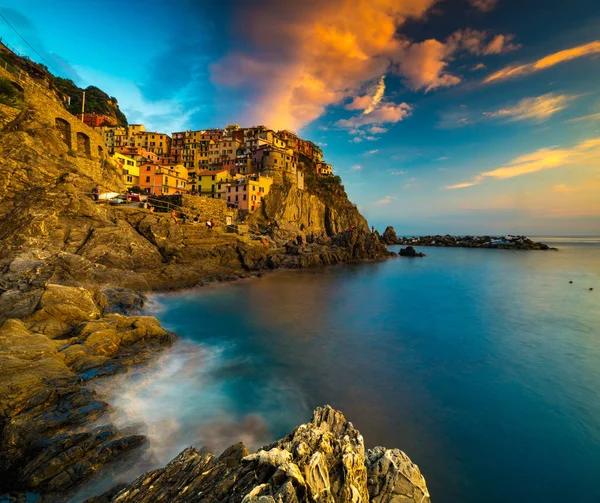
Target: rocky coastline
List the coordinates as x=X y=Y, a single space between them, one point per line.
x=73 y=274
x=508 y=242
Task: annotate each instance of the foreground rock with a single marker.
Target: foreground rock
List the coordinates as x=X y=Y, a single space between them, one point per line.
x=324 y=460
x=499 y=242
x=62 y=340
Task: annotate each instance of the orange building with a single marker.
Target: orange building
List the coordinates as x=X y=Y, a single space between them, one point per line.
x=163 y=179
x=97 y=120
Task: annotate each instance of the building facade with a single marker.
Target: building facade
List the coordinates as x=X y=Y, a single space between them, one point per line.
x=162 y=179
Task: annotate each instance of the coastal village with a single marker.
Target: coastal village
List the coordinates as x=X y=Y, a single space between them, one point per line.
x=235 y=164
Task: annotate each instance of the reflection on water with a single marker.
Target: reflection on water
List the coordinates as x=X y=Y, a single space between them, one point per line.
x=483 y=365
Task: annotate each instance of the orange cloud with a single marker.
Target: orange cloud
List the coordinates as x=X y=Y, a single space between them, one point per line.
x=424 y=65
x=483 y=5
x=590 y=117
x=305 y=57
x=582 y=154
x=538 y=108
x=546 y=62
x=298 y=58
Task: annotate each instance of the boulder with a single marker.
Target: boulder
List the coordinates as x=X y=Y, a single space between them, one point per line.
x=409 y=251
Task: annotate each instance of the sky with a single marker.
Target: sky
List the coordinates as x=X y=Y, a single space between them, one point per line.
x=447 y=116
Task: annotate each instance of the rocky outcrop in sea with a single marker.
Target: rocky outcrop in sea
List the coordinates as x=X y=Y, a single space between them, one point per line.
x=508 y=242
x=323 y=460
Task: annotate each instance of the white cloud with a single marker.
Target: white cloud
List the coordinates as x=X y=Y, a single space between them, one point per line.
x=387 y=113
x=357 y=167
x=371 y=152
x=400 y=172
x=384 y=201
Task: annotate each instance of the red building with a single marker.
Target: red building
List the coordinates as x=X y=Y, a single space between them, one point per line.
x=97 y=120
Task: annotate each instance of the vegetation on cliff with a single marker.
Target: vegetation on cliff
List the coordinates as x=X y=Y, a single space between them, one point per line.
x=96 y=100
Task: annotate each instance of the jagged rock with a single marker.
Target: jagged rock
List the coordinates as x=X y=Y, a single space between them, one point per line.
x=323 y=460
x=389 y=236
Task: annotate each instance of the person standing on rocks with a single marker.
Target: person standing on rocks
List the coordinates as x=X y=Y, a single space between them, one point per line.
x=96 y=192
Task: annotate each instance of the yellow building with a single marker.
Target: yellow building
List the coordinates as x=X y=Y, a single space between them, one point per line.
x=131 y=169
x=210 y=183
x=324 y=169
x=158 y=143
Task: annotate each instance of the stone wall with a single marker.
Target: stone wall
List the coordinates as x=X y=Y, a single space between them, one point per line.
x=209 y=208
x=75 y=135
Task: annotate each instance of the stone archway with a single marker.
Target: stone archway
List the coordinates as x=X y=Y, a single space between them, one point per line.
x=64 y=130
x=83 y=144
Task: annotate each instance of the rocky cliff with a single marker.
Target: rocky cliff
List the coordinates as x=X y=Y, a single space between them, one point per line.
x=321 y=207
x=323 y=460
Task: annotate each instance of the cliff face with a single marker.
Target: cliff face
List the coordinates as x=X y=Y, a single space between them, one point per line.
x=324 y=460
x=323 y=206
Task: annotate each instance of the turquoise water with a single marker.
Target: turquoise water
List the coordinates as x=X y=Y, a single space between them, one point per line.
x=483 y=365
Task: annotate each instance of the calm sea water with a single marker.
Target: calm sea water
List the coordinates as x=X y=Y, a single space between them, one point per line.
x=482 y=365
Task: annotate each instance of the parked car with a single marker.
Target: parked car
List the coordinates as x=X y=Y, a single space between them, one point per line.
x=118 y=200
x=134 y=198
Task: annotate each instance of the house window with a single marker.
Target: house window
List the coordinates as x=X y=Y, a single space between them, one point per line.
x=147 y=168
x=229 y=198
x=236 y=198
x=147 y=179
x=244 y=197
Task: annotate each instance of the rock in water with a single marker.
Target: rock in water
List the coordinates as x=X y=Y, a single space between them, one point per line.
x=321 y=461
x=389 y=236
x=409 y=251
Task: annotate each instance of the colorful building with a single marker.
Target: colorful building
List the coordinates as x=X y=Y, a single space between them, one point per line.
x=163 y=179
x=210 y=183
x=97 y=120
x=158 y=143
x=247 y=193
x=131 y=169
x=324 y=169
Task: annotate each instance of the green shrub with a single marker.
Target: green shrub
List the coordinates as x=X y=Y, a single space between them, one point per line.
x=8 y=94
x=71 y=152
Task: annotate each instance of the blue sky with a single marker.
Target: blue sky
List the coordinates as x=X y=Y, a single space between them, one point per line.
x=461 y=116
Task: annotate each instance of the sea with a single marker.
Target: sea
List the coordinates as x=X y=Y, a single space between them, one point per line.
x=482 y=365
